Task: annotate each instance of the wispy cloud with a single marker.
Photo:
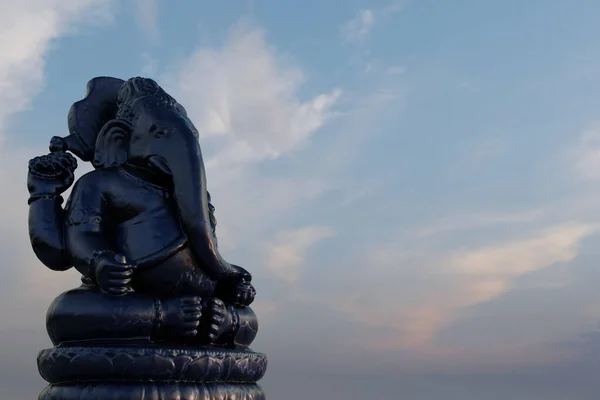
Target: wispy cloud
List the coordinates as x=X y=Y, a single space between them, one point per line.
x=245 y=93
x=556 y=244
x=585 y=155
x=424 y=289
x=358 y=28
x=28 y=29
x=396 y=70
x=250 y=205
x=479 y=275
x=146 y=12
x=149 y=65
x=286 y=254
x=470 y=221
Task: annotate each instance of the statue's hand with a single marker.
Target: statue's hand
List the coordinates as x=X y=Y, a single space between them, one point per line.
x=240 y=274
x=244 y=294
x=244 y=291
x=113 y=273
x=51 y=174
x=236 y=288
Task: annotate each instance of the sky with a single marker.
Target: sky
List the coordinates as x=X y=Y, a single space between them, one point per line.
x=414 y=185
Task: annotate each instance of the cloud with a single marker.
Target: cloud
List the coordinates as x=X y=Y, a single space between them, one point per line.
x=27 y=28
x=556 y=244
x=146 y=12
x=396 y=70
x=286 y=255
x=409 y=291
x=245 y=95
x=585 y=155
x=463 y=222
x=393 y=7
x=485 y=273
x=358 y=28
x=149 y=65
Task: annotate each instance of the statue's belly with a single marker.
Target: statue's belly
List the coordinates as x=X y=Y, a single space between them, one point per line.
x=151 y=237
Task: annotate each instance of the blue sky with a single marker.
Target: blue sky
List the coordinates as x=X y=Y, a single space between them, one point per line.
x=413 y=184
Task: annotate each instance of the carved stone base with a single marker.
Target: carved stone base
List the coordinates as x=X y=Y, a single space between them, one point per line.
x=151 y=373
x=152 y=391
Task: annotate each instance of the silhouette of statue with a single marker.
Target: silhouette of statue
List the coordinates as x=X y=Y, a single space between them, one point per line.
x=159 y=314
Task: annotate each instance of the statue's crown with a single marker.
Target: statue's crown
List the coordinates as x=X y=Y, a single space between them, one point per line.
x=138 y=88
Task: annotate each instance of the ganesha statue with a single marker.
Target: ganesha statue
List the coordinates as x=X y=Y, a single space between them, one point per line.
x=160 y=314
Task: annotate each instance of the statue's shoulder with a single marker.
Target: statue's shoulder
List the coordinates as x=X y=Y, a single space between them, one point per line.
x=99 y=178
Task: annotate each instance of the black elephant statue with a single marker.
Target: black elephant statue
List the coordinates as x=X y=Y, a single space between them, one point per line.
x=140 y=228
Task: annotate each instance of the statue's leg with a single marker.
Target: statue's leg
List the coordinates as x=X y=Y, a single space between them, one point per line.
x=179 y=275
x=85 y=313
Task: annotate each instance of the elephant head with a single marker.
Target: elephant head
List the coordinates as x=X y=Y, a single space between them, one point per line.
x=149 y=128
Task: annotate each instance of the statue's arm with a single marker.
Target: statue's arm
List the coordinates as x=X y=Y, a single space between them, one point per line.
x=46 y=232
x=233 y=291
x=85 y=235
x=48 y=177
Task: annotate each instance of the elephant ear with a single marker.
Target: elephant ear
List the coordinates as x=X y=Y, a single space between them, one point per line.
x=112 y=144
x=87 y=116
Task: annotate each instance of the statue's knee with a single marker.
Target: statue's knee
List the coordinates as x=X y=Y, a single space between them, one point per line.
x=62 y=316
x=86 y=313
x=243 y=329
x=248 y=327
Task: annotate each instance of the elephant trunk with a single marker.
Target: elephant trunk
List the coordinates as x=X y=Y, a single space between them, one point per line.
x=182 y=157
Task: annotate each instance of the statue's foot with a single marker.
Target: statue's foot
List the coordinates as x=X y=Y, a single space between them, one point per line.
x=181 y=317
x=214 y=312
